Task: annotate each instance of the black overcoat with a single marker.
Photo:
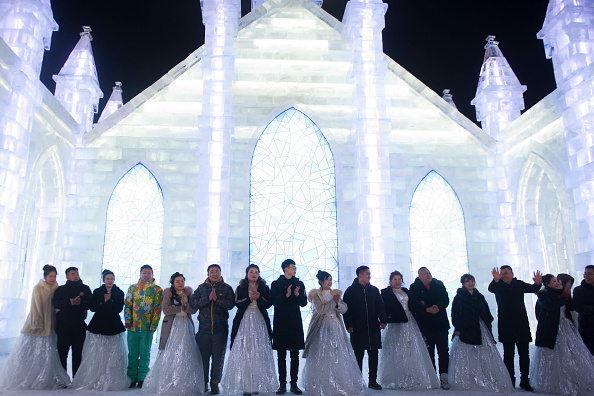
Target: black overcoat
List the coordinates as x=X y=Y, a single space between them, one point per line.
x=512 y=318
x=467 y=310
x=287 y=333
x=420 y=299
x=106 y=320
x=394 y=311
x=366 y=312
x=71 y=317
x=583 y=296
x=242 y=301
x=548 y=311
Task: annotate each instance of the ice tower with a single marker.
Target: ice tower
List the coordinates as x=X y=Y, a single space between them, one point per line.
x=115 y=102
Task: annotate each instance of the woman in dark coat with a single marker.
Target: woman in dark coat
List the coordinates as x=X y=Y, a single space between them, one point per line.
x=104 y=361
x=475 y=363
x=250 y=366
x=561 y=363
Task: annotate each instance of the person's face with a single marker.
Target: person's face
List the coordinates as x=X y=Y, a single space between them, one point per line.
x=365 y=277
x=425 y=276
x=214 y=274
x=555 y=284
x=291 y=270
x=589 y=276
x=50 y=279
x=507 y=275
x=179 y=283
x=396 y=282
x=146 y=275
x=253 y=275
x=327 y=283
x=469 y=284
x=109 y=280
x=73 y=276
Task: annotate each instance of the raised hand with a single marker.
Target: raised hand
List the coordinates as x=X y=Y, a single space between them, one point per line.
x=496 y=274
x=537 y=278
x=296 y=291
x=289 y=291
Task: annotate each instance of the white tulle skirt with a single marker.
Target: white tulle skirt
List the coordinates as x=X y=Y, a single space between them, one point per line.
x=34 y=363
x=103 y=365
x=250 y=366
x=404 y=361
x=178 y=368
x=566 y=370
x=331 y=367
x=478 y=367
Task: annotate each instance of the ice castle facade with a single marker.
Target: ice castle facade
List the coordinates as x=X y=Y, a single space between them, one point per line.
x=290 y=134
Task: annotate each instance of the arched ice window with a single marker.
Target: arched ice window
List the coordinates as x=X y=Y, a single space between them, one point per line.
x=134 y=227
x=437 y=231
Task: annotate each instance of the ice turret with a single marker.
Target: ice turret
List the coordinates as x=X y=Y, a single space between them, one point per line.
x=27 y=26
x=77 y=84
x=499 y=96
x=114 y=103
x=449 y=98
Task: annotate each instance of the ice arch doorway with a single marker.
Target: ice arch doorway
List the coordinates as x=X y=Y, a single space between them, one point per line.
x=293 y=201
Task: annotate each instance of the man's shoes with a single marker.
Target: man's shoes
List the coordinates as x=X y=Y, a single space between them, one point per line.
x=132 y=385
x=140 y=383
x=525 y=384
x=214 y=387
x=295 y=389
x=443 y=380
x=281 y=390
x=374 y=385
x=247 y=393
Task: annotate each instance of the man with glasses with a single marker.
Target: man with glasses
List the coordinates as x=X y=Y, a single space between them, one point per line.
x=583 y=296
x=288 y=296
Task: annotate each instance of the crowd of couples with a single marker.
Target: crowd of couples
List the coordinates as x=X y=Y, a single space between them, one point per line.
x=399 y=328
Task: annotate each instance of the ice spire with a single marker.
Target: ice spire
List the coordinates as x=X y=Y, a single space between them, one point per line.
x=499 y=96
x=27 y=26
x=77 y=84
x=114 y=103
x=448 y=97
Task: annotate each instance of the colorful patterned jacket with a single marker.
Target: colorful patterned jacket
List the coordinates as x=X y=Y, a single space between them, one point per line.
x=142 y=309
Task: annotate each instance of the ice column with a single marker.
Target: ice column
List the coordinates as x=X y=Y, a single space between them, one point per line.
x=568 y=37
x=499 y=96
x=449 y=98
x=77 y=84
x=216 y=125
x=114 y=103
x=364 y=21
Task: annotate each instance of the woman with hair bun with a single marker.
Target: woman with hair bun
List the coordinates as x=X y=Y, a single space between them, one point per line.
x=250 y=367
x=33 y=362
x=178 y=368
x=331 y=367
x=104 y=361
x=404 y=361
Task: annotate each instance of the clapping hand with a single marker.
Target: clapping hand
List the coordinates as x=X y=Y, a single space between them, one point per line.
x=296 y=291
x=537 y=278
x=213 y=295
x=255 y=295
x=107 y=296
x=184 y=301
x=289 y=291
x=496 y=274
x=336 y=298
x=75 y=301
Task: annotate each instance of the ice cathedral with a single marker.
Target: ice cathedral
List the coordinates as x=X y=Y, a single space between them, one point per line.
x=290 y=134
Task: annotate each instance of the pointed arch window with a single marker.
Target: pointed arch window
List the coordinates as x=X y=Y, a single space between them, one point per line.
x=437 y=231
x=293 y=200
x=134 y=226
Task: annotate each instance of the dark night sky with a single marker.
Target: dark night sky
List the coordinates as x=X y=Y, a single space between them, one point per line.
x=439 y=42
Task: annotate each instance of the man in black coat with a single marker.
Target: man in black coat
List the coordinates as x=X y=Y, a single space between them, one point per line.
x=583 y=296
x=365 y=317
x=513 y=326
x=287 y=294
x=428 y=302
x=72 y=300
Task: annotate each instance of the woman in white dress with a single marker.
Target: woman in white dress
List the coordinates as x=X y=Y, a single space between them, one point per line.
x=561 y=363
x=331 y=367
x=250 y=366
x=105 y=355
x=404 y=360
x=33 y=362
x=178 y=368
x=475 y=362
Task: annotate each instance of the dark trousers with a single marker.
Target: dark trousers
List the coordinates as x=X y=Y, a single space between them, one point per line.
x=212 y=345
x=282 y=366
x=71 y=337
x=372 y=355
x=509 y=354
x=588 y=338
x=438 y=339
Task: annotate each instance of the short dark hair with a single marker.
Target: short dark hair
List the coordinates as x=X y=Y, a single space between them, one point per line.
x=146 y=266
x=506 y=266
x=48 y=269
x=589 y=266
x=546 y=279
x=422 y=268
x=395 y=273
x=286 y=263
x=105 y=273
x=322 y=276
x=466 y=277
x=213 y=265
x=361 y=269
x=70 y=269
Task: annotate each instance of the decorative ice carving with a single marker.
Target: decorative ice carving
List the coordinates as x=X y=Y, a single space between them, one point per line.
x=114 y=103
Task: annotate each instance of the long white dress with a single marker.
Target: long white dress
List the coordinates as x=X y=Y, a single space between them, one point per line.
x=178 y=368
x=250 y=366
x=331 y=367
x=478 y=367
x=404 y=361
x=566 y=370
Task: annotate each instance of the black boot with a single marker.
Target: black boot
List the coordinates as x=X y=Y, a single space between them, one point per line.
x=282 y=389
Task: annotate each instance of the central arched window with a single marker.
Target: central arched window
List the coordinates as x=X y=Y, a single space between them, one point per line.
x=293 y=200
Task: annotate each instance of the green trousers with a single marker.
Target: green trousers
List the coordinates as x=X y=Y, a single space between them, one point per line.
x=139 y=354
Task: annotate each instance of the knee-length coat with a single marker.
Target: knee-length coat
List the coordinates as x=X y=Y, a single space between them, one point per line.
x=287 y=333
x=467 y=311
x=170 y=309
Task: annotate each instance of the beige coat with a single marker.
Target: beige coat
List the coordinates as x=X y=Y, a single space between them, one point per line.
x=42 y=317
x=321 y=307
x=170 y=310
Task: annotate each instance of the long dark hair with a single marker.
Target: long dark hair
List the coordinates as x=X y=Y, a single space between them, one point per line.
x=175 y=298
x=247 y=269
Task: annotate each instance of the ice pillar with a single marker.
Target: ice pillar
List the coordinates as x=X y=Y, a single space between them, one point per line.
x=114 y=103
x=568 y=37
x=499 y=96
x=216 y=125
x=364 y=20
